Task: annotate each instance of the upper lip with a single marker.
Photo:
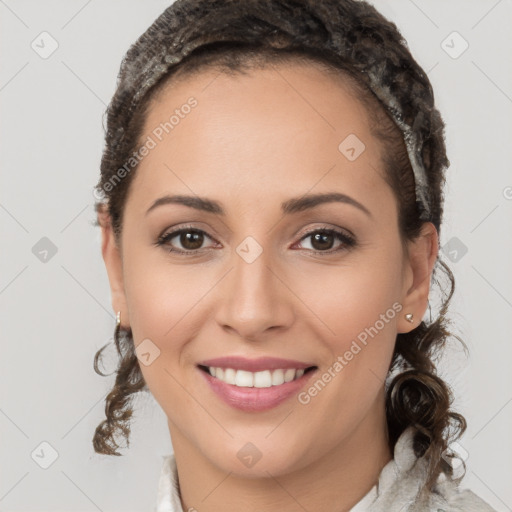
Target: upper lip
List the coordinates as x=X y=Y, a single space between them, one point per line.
x=254 y=365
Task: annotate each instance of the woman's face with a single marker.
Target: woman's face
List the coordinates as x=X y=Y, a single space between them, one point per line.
x=258 y=275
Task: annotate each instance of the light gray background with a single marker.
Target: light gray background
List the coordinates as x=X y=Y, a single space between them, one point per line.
x=56 y=314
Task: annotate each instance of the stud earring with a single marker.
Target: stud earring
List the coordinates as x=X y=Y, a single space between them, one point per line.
x=409 y=317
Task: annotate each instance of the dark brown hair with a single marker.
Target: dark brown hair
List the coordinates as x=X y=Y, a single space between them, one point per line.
x=346 y=38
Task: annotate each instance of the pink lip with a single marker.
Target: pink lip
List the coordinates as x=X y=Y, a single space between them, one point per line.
x=255 y=399
x=254 y=365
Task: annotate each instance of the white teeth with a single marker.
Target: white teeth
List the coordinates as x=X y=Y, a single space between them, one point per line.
x=243 y=379
x=289 y=374
x=277 y=377
x=230 y=376
x=262 y=379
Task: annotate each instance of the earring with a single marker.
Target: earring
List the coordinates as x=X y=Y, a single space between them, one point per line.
x=118 y=319
x=409 y=317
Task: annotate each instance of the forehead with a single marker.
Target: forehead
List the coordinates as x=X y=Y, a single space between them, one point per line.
x=291 y=125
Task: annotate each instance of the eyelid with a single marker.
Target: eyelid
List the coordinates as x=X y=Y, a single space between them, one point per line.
x=326 y=227
x=344 y=235
x=348 y=241
x=170 y=233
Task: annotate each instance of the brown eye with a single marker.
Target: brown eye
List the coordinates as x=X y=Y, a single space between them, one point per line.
x=322 y=240
x=191 y=240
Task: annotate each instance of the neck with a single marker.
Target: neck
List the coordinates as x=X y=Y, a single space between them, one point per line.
x=334 y=482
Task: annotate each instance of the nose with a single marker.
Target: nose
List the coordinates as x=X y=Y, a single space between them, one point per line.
x=254 y=299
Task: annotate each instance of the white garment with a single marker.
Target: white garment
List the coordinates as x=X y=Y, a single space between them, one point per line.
x=395 y=491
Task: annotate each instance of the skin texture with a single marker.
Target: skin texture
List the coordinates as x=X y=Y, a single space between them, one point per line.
x=251 y=143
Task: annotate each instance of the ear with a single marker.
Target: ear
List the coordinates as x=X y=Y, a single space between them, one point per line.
x=114 y=265
x=421 y=257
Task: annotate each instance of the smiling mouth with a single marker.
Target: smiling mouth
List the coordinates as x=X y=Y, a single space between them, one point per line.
x=260 y=379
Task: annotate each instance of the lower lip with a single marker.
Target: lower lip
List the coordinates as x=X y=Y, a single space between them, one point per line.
x=255 y=399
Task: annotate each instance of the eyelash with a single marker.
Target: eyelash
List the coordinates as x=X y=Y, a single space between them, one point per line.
x=348 y=241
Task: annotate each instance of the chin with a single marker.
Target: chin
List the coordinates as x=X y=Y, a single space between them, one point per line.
x=252 y=460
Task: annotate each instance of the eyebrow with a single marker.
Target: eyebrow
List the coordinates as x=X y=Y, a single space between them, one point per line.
x=290 y=206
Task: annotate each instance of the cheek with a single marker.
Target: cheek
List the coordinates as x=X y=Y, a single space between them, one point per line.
x=356 y=309
x=159 y=293
x=351 y=297
x=169 y=304
x=348 y=309
x=161 y=312
x=358 y=329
